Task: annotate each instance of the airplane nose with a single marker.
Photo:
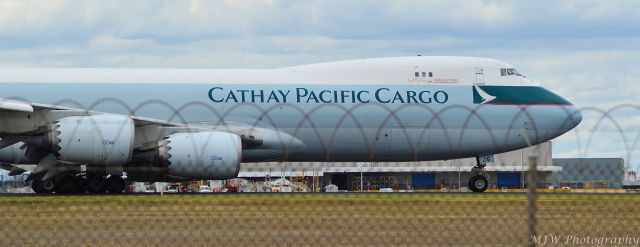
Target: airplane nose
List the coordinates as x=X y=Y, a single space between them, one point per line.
x=575 y=116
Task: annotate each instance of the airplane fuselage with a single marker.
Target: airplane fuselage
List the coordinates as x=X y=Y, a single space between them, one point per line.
x=398 y=109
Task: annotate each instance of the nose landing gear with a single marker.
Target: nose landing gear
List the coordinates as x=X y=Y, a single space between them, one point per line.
x=480 y=182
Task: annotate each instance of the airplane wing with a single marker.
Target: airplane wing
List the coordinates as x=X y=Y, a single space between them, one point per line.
x=21 y=106
x=28 y=139
x=11 y=105
x=37 y=140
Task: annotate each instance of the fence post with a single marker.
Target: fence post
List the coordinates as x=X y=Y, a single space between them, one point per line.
x=532 y=180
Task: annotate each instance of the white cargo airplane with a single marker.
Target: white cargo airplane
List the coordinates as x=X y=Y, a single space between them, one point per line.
x=81 y=129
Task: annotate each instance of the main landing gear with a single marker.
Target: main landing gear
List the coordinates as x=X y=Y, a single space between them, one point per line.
x=479 y=181
x=78 y=183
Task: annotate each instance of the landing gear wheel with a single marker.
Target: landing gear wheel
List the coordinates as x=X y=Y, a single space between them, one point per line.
x=81 y=185
x=66 y=184
x=478 y=183
x=48 y=185
x=95 y=184
x=115 y=185
x=36 y=184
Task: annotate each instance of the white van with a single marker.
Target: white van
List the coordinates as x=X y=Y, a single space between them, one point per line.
x=205 y=189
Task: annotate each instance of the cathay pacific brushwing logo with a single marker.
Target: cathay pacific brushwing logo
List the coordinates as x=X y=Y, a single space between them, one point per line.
x=515 y=95
x=480 y=96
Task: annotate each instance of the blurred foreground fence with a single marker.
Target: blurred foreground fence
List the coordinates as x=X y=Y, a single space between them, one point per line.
x=574 y=212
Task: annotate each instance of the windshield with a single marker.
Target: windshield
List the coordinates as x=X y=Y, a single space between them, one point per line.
x=509 y=71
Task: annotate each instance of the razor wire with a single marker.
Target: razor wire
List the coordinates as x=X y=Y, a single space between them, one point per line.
x=218 y=119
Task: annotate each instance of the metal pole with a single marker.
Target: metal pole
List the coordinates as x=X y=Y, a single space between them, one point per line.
x=521 y=170
x=313 y=180
x=459 y=174
x=531 y=200
x=361 y=182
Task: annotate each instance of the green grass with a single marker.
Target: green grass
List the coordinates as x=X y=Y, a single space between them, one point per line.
x=308 y=219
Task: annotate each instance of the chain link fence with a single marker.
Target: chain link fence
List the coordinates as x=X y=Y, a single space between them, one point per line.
x=533 y=199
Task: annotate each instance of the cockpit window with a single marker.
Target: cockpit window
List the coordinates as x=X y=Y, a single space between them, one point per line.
x=509 y=71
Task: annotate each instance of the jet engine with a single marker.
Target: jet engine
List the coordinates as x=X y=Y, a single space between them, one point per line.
x=95 y=140
x=185 y=156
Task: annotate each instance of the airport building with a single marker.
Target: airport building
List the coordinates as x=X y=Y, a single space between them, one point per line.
x=508 y=171
x=590 y=173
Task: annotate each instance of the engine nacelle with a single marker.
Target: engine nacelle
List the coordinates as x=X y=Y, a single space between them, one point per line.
x=96 y=140
x=204 y=155
x=13 y=154
x=188 y=156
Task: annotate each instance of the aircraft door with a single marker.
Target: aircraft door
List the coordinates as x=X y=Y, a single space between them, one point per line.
x=479 y=76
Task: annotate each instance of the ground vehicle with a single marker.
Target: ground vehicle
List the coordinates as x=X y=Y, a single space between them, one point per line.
x=150 y=189
x=172 y=189
x=205 y=189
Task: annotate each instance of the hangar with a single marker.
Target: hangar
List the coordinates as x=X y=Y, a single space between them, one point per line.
x=590 y=173
x=508 y=171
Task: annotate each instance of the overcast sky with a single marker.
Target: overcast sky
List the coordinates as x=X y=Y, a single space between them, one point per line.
x=586 y=51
